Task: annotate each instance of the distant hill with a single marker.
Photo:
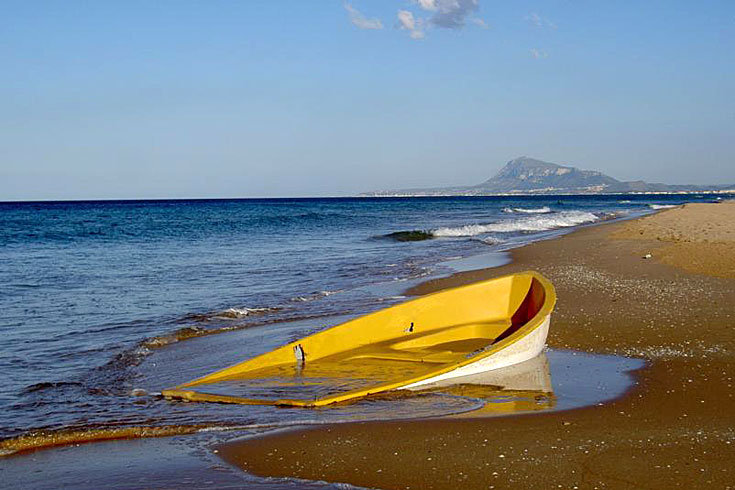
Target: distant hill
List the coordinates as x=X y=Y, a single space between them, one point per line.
x=526 y=175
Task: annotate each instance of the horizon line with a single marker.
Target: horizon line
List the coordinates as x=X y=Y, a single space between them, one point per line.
x=360 y=196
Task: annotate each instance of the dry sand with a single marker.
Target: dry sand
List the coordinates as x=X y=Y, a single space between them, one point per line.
x=697 y=238
x=676 y=428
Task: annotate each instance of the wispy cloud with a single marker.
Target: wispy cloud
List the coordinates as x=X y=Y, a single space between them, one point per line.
x=357 y=18
x=407 y=21
x=479 y=22
x=535 y=19
x=538 y=54
x=447 y=14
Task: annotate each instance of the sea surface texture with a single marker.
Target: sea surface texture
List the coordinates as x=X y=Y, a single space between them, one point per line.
x=106 y=303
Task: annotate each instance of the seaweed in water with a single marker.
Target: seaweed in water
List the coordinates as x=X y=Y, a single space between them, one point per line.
x=410 y=236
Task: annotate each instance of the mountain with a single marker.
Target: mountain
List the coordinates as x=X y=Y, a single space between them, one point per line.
x=526 y=175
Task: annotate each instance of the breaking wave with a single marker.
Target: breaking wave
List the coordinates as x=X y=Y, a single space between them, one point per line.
x=184 y=333
x=312 y=297
x=490 y=240
x=243 y=312
x=662 y=206
x=541 y=210
x=554 y=221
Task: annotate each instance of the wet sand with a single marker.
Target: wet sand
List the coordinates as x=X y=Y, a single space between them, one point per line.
x=675 y=428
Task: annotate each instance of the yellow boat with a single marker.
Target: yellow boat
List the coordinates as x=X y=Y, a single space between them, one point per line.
x=449 y=334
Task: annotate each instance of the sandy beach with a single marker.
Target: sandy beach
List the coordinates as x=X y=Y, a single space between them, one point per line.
x=673 y=429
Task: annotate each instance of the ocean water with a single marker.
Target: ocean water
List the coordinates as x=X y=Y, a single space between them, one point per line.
x=106 y=303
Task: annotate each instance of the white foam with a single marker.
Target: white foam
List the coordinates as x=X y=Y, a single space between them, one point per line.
x=489 y=240
x=242 y=312
x=312 y=297
x=661 y=206
x=542 y=210
x=391 y=298
x=554 y=221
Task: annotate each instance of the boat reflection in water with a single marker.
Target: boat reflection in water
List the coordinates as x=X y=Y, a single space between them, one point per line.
x=523 y=387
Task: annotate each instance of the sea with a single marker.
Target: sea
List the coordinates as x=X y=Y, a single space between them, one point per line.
x=105 y=303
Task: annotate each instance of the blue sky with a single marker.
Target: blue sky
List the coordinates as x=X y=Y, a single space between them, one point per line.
x=147 y=99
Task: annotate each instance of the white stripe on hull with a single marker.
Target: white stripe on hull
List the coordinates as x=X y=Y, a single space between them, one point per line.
x=524 y=349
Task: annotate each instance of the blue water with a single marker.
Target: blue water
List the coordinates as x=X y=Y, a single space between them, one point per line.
x=97 y=297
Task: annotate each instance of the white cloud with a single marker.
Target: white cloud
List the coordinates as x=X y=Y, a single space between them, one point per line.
x=539 y=21
x=406 y=19
x=538 y=54
x=450 y=14
x=357 y=18
x=414 y=26
x=427 y=4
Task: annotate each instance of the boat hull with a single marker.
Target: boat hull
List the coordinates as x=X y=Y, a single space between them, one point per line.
x=522 y=350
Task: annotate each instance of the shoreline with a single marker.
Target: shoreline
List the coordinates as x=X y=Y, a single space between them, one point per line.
x=674 y=427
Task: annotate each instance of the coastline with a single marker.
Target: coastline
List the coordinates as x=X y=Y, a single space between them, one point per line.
x=673 y=428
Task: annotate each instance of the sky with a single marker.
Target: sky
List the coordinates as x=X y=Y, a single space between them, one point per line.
x=184 y=99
